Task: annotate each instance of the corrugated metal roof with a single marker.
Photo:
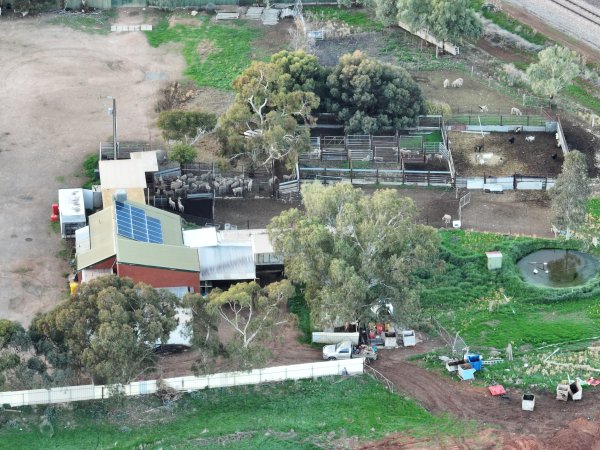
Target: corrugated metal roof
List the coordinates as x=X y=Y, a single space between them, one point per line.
x=149 y=160
x=201 y=237
x=133 y=194
x=101 y=239
x=259 y=237
x=104 y=243
x=157 y=255
x=233 y=261
x=122 y=173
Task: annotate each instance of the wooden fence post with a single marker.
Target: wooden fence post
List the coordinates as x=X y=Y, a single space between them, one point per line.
x=515 y=181
x=377 y=176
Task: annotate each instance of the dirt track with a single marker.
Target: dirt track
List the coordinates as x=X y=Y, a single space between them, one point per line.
x=54 y=82
x=545 y=428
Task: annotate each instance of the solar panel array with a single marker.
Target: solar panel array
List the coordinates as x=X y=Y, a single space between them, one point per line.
x=133 y=223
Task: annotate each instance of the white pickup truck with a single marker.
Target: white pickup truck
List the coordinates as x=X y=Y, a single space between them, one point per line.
x=345 y=350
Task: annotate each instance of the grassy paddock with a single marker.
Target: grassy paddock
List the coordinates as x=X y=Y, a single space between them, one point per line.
x=351 y=17
x=231 y=48
x=304 y=414
x=459 y=294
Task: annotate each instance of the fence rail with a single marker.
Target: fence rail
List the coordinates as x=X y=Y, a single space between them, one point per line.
x=515 y=182
x=377 y=176
x=188 y=383
x=496 y=119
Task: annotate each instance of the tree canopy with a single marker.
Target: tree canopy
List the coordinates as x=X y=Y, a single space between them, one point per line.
x=109 y=327
x=368 y=96
x=555 y=69
x=273 y=107
x=571 y=192
x=183 y=153
x=352 y=251
x=250 y=316
x=185 y=126
x=447 y=20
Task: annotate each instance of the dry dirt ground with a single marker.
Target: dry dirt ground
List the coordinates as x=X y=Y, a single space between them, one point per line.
x=54 y=82
x=501 y=158
x=553 y=424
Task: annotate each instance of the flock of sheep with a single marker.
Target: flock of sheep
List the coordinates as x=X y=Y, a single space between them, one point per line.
x=483 y=108
x=178 y=187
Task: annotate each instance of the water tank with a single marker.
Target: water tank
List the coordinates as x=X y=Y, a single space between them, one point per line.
x=121 y=195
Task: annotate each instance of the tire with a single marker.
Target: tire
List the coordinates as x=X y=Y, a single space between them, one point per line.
x=331 y=358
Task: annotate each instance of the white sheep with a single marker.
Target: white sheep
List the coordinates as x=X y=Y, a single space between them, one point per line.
x=530 y=138
x=518 y=129
x=288 y=177
x=446 y=83
x=180 y=205
x=447 y=219
x=483 y=108
x=439 y=157
x=515 y=111
x=457 y=83
x=172 y=204
x=238 y=191
x=250 y=185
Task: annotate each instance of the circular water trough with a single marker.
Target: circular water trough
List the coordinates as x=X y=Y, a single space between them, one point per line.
x=558 y=268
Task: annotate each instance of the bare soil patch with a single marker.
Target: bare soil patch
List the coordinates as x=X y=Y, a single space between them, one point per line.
x=553 y=424
x=54 y=83
x=205 y=48
x=501 y=158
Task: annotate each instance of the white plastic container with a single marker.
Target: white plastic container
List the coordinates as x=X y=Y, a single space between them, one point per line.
x=528 y=402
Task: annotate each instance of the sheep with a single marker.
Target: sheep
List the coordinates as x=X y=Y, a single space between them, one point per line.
x=172 y=204
x=478 y=148
x=439 y=157
x=250 y=185
x=405 y=153
x=288 y=177
x=180 y=205
x=446 y=83
x=530 y=138
x=457 y=83
x=483 y=108
x=555 y=156
x=366 y=158
x=512 y=140
x=447 y=219
x=515 y=111
x=238 y=191
x=518 y=130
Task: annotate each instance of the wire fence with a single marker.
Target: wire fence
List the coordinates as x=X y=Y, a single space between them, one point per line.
x=189 y=383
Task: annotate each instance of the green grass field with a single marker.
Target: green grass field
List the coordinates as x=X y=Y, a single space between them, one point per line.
x=530 y=318
x=299 y=415
x=351 y=17
x=229 y=48
x=583 y=95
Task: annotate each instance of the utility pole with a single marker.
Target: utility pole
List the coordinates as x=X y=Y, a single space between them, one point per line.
x=113 y=112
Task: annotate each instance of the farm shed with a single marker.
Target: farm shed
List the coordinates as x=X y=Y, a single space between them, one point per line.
x=221 y=261
x=141 y=242
x=128 y=175
x=71 y=207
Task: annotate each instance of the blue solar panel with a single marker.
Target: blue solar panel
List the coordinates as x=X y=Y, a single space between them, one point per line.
x=133 y=223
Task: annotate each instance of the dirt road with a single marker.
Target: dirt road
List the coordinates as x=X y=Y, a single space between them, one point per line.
x=546 y=427
x=54 y=82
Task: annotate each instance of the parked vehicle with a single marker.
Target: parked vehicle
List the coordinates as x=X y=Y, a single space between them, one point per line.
x=345 y=350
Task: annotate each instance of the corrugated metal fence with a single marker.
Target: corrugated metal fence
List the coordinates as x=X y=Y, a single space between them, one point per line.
x=189 y=383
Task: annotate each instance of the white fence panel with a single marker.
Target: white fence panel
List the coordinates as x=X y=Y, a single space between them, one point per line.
x=187 y=383
x=530 y=185
x=474 y=183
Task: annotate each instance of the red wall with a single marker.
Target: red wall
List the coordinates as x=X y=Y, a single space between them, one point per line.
x=106 y=264
x=158 y=278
